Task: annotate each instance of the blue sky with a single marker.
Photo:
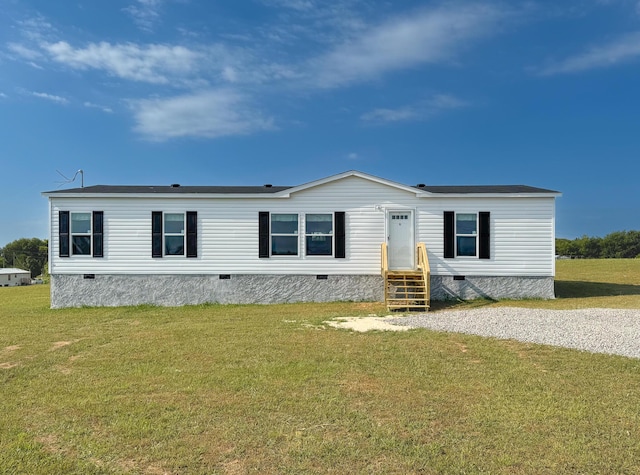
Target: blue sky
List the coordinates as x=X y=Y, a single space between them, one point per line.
x=246 y=92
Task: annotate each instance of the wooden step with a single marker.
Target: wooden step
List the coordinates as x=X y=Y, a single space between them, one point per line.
x=406 y=290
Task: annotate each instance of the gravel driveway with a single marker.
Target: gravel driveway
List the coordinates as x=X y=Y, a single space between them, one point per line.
x=597 y=330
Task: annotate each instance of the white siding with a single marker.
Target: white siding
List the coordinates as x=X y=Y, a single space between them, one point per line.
x=522 y=232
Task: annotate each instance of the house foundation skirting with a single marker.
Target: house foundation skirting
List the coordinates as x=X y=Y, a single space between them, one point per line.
x=473 y=287
x=176 y=290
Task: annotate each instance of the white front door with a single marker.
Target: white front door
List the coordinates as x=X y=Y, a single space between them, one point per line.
x=400 y=237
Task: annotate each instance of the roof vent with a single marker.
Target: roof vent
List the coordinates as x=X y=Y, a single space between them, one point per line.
x=175 y=185
x=268 y=185
x=421 y=185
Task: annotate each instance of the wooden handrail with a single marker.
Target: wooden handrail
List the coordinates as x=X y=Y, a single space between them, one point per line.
x=384 y=264
x=423 y=264
x=384 y=270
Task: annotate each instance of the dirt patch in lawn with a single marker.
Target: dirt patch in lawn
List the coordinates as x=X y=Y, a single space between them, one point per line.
x=365 y=324
x=60 y=344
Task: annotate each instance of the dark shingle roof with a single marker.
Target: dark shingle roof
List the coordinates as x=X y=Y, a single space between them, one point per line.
x=237 y=190
x=483 y=189
x=115 y=189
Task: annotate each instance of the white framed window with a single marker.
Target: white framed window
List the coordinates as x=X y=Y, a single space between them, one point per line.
x=466 y=234
x=174 y=233
x=319 y=234
x=81 y=234
x=284 y=234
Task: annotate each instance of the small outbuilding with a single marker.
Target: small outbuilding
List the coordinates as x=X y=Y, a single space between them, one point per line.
x=351 y=236
x=11 y=277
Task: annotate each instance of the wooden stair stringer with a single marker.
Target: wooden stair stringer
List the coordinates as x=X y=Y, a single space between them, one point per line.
x=406 y=290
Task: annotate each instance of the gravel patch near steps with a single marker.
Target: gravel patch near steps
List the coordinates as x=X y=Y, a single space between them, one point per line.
x=597 y=330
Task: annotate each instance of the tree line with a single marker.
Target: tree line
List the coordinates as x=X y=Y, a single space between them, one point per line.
x=27 y=254
x=617 y=245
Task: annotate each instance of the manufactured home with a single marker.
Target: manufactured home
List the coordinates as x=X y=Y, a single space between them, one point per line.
x=10 y=277
x=351 y=237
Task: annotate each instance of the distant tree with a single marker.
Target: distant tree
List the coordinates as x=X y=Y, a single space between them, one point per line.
x=591 y=247
x=619 y=244
x=566 y=247
x=28 y=254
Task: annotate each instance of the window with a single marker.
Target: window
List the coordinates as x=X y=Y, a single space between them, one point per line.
x=466 y=234
x=81 y=234
x=319 y=234
x=325 y=234
x=284 y=234
x=174 y=234
x=170 y=232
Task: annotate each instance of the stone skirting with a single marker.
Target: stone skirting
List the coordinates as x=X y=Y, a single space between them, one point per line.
x=473 y=287
x=176 y=290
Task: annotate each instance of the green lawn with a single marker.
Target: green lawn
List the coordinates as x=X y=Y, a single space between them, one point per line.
x=269 y=389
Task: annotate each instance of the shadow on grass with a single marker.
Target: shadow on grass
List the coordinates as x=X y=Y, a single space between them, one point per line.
x=564 y=289
x=567 y=289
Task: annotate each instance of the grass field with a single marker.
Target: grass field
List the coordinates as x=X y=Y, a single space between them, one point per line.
x=270 y=389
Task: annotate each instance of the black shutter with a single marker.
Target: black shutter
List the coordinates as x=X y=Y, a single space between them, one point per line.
x=484 y=246
x=192 y=234
x=98 y=234
x=340 y=235
x=156 y=234
x=449 y=234
x=63 y=233
x=263 y=234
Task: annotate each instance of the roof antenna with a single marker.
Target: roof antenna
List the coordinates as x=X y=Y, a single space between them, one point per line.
x=71 y=180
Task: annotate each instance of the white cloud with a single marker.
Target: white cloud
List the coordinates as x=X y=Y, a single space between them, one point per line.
x=91 y=105
x=300 y=5
x=24 y=51
x=3 y=95
x=50 y=97
x=428 y=36
x=445 y=101
x=210 y=114
x=353 y=156
x=35 y=28
x=344 y=50
x=156 y=64
x=420 y=111
x=145 y=13
x=229 y=74
x=622 y=49
x=390 y=115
